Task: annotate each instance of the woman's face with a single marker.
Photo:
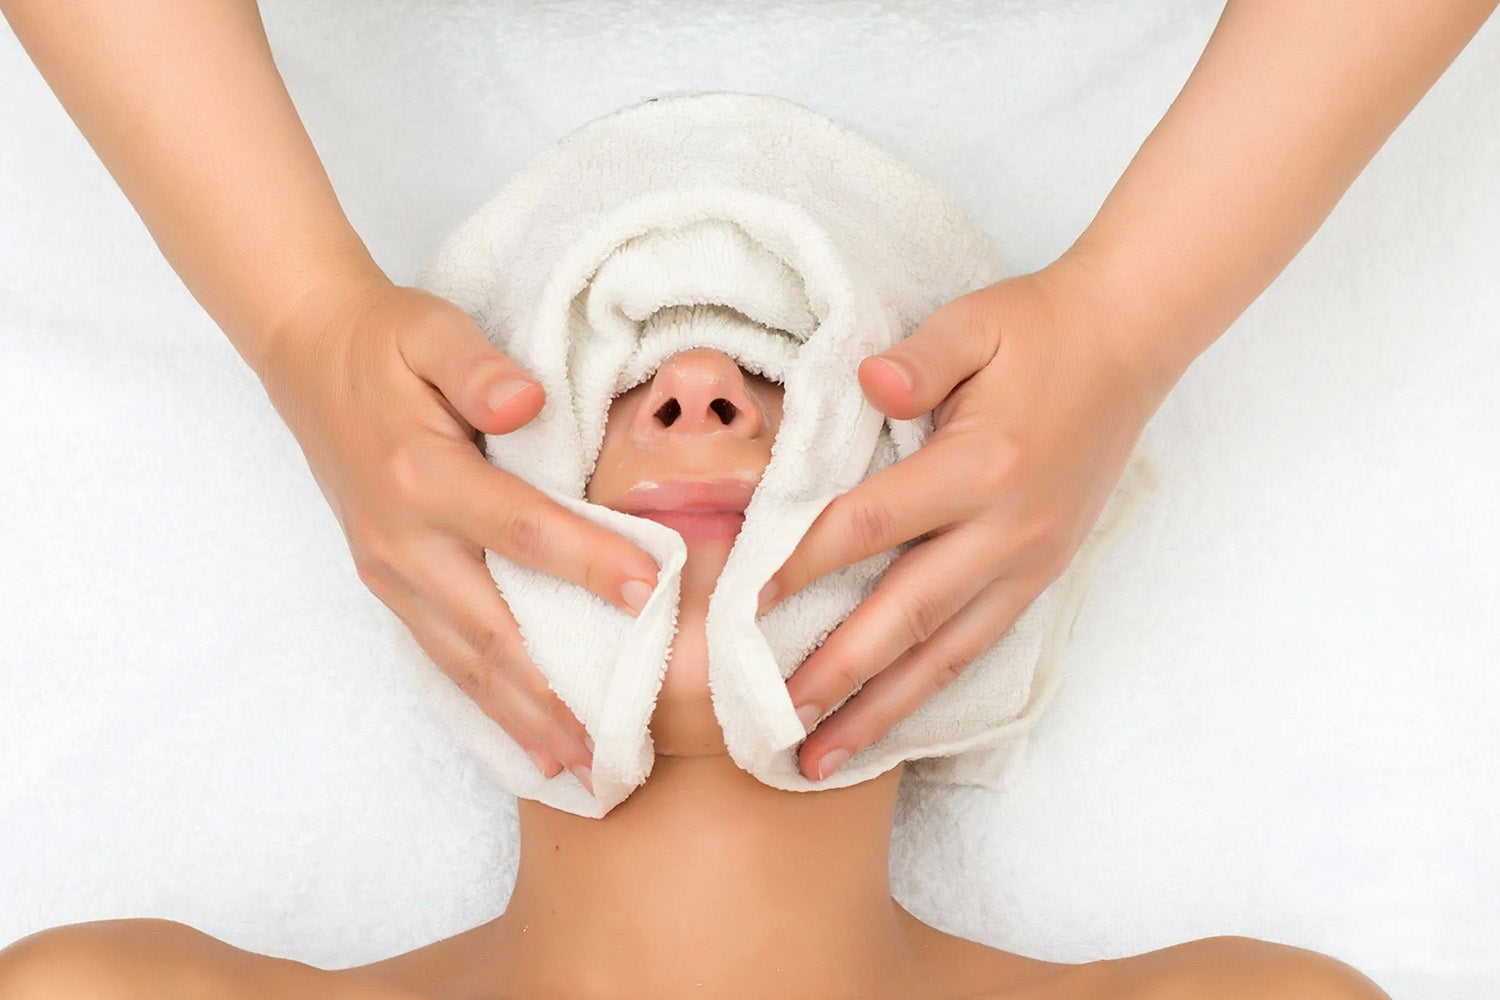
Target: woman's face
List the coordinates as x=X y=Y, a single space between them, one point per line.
x=686 y=448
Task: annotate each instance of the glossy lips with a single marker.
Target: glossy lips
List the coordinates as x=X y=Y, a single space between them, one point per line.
x=697 y=509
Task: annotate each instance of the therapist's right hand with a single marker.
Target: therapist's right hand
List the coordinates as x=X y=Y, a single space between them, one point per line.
x=388 y=390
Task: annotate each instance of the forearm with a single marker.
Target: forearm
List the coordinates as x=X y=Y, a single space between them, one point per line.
x=185 y=107
x=1288 y=103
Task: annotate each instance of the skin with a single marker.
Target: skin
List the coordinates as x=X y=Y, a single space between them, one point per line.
x=1042 y=381
x=1054 y=373
x=1048 y=376
x=704 y=883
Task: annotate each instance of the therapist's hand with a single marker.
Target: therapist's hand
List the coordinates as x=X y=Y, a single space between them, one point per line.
x=387 y=391
x=1037 y=406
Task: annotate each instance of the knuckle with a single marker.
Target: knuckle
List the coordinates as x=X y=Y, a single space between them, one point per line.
x=535 y=723
x=996 y=469
x=1056 y=563
x=521 y=533
x=372 y=574
x=470 y=675
x=920 y=616
x=873 y=525
x=402 y=475
x=366 y=528
x=876 y=724
x=492 y=648
x=946 y=668
x=364 y=537
x=978 y=314
x=848 y=676
x=374 y=555
x=1049 y=543
x=522 y=738
x=1041 y=537
x=993 y=476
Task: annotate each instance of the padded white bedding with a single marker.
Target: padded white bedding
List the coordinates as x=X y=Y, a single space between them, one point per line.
x=1277 y=713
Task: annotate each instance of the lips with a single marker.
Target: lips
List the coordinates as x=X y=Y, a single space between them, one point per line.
x=696 y=509
x=696 y=496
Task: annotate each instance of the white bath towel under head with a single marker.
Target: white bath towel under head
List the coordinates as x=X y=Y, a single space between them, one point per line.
x=750 y=224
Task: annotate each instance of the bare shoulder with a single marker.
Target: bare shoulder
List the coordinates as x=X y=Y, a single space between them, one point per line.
x=1236 y=968
x=1216 y=968
x=110 y=959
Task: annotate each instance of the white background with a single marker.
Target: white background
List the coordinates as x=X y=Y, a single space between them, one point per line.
x=1278 y=713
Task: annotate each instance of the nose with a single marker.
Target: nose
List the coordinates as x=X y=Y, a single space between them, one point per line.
x=698 y=392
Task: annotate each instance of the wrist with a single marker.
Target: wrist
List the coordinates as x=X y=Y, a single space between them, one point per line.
x=1091 y=291
x=327 y=303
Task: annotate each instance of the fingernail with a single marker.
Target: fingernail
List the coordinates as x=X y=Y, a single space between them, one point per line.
x=536 y=758
x=636 y=593
x=585 y=777
x=899 y=369
x=500 y=394
x=808 y=715
x=588 y=741
x=768 y=595
x=832 y=761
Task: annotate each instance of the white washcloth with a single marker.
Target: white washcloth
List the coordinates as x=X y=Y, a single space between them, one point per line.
x=750 y=224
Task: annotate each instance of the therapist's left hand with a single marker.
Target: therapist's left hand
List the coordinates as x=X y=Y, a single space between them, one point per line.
x=1038 y=400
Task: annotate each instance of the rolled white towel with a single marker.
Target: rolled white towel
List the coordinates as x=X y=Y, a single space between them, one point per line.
x=750 y=224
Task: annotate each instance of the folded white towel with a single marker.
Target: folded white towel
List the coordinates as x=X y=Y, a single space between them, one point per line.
x=750 y=224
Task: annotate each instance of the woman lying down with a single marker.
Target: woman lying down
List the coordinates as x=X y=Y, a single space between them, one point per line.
x=692 y=339
x=704 y=882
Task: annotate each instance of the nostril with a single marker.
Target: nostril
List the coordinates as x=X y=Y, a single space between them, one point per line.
x=722 y=408
x=725 y=409
x=669 y=412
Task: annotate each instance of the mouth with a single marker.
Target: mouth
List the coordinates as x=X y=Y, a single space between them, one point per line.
x=696 y=509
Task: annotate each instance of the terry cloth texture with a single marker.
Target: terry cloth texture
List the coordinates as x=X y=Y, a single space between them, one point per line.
x=750 y=224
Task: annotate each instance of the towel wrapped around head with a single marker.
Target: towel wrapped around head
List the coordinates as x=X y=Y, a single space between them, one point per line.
x=753 y=225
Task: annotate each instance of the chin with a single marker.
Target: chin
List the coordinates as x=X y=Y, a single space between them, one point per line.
x=686 y=728
x=707 y=554
x=683 y=723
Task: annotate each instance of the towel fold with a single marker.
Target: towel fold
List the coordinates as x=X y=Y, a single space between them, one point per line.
x=750 y=224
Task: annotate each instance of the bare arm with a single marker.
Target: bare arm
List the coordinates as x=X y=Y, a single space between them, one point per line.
x=1041 y=384
x=184 y=105
x=1289 y=101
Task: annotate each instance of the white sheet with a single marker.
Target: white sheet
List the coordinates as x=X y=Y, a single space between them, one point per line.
x=1277 y=714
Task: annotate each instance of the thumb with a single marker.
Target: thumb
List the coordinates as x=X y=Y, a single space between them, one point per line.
x=480 y=381
x=918 y=372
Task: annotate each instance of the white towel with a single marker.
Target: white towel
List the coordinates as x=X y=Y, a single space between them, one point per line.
x=750 y=224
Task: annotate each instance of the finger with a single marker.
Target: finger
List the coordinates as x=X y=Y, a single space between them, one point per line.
x=492 y=659
x=918 y=372
x=466 y=595
x=921 y=672
x=917 y=595
x=505 y=514
x=444 y=647
x=893 y=505
x=480 y=381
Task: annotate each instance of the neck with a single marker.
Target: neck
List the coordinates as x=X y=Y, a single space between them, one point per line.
x=707 y=883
